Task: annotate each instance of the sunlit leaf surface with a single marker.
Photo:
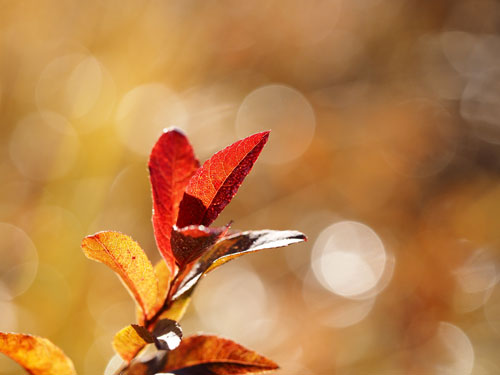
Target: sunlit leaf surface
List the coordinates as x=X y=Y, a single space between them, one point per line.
x=171 y=165
x=214 y=184
x=124 y=256
x=163 y=276
x=37 y=355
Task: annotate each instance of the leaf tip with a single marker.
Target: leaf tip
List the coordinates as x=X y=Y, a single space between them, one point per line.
x=85 y=241
x=174 y=129
x=265 y=134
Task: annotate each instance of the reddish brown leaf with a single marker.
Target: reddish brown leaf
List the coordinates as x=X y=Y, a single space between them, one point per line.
x=37 y=355
x=234 y=369
x=190 y=242
x=214 y=184
x=124 y=256
x=220 y=356
x=232 y=247
x=220 y=369
x=171 y=164
x=168 y=334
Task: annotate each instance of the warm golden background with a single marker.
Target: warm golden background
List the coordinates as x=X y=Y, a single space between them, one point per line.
x=385 y=150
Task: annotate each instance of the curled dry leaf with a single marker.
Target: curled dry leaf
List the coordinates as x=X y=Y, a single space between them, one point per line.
x=223 y=251
x=232 y=247
x=171 y=164
x=37 y=355
x=124 y=256
x=168 y=334
x=217 y=356
x=214 y=184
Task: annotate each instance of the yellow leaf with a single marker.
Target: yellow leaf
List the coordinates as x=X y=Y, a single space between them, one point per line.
x=163 y=276
x=177 y=309
x=130 y=340
x=37 y=355
x=124 y=256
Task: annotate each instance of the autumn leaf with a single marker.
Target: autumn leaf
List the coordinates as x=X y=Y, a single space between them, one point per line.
x=213 y=185
x=186 y=199
x=130 y=340
x=232 y=247
x=124 y=256
x=216 y=355
x=217 y=369
x=171 y=164
x=190 y=242
x=37 y=355
x=226 y=249
x=163 y=277
x=177 y=308
x=168 y=334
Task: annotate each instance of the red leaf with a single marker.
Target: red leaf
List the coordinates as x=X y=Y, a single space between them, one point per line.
x=171 y=164
x=218 y=356
x=190 y=242
x=214 y=184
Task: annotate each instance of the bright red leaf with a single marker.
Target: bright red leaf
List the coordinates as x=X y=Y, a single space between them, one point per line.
x=214 y=184
x=171 y=164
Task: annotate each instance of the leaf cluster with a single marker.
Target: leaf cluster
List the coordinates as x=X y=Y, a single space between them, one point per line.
x=187 y=198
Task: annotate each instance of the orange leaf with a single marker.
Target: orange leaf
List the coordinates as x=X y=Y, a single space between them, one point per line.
x=124 y=256
x=218 y=356
x=36 y=354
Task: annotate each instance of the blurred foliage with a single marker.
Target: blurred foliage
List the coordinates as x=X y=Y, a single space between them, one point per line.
x=386 y=133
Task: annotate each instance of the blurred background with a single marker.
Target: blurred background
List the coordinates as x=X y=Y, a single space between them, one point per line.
x=385 y=151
